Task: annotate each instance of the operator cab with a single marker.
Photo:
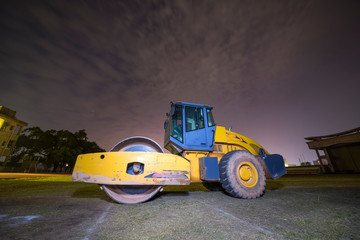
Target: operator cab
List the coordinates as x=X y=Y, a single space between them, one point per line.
x=189 y=126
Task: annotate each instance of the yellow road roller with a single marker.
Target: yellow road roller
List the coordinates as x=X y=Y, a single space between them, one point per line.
x=136 y=168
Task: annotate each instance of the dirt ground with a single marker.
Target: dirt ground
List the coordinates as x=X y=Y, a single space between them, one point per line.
x=293 y=207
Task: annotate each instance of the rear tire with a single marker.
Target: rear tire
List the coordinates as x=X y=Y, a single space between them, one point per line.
x=242 y=175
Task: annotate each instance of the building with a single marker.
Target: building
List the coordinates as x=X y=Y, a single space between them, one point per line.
x=10 y=129
x=340 y=150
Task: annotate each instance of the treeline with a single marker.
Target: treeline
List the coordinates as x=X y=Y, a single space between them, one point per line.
x=54 y=150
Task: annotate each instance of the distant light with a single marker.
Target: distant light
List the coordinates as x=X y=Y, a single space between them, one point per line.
x=285 y=162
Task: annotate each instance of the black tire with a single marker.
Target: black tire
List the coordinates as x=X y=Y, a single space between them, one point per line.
x=242 y=175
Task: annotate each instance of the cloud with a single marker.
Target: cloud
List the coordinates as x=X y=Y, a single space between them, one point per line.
x=113 y=67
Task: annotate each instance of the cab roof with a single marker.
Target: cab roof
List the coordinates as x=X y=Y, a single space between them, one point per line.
x=190 y=104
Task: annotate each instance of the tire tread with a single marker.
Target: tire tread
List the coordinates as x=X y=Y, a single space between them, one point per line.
x=228 y=180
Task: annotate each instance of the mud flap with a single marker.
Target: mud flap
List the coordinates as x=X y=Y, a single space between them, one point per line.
x=274 y=164
x=209 y=169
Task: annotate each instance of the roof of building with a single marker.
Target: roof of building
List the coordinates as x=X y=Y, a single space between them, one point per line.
x=350 y=136
x=7 y=113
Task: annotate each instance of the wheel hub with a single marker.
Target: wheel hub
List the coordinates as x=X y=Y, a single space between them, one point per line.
x=248 y=175
x=245 y=173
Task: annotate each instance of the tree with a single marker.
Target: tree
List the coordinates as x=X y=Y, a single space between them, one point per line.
x=53 y=148
x=305 y=164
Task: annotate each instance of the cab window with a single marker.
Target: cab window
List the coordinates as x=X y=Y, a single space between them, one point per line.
x=176 y=124
x=201 y=118
x=210 y=117
x=191 y=118
x=194 y=118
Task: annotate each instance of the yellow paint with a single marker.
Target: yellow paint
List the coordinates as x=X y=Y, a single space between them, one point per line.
x=247 y=174
x=1 y=122
x=234 y=141
x=110 y=168
x=193 y=157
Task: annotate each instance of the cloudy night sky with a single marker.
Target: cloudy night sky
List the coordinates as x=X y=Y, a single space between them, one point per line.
x=276 y=71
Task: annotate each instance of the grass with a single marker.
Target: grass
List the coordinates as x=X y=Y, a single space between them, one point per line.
x=293 y=207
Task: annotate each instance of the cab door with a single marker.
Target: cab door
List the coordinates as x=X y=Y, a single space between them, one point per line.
x=195 y=131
